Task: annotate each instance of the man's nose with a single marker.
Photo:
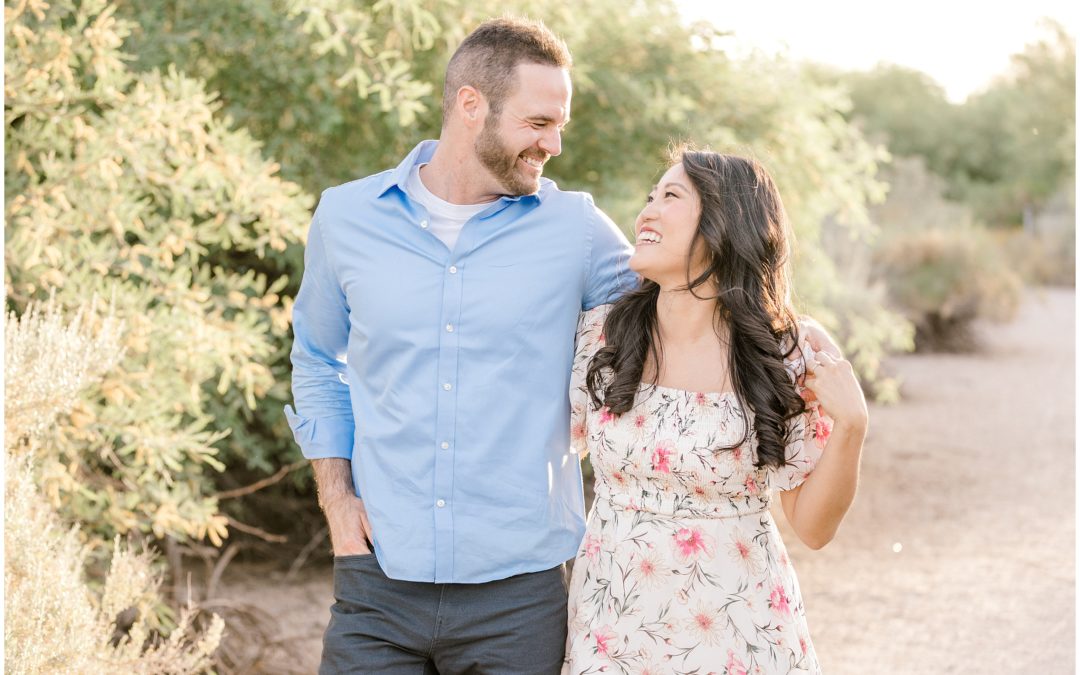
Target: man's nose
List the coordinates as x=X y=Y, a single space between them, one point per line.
x=551 y=142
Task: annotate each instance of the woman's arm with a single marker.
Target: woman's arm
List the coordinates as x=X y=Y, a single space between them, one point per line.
x=816 y=507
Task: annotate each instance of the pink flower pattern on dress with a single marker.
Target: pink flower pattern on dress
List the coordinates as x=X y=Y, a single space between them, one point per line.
x=651 y=590
x=822 y=431
x=751 y=485
x=778 y=601
x=705 y=625
x=661 y=458
x=591 y=546
x=734 y=665
x=691 y=543
x=603 y=636
x=577 y=431
x=746 y=553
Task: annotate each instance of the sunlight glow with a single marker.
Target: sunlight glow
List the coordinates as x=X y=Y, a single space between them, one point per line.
x=961 y=45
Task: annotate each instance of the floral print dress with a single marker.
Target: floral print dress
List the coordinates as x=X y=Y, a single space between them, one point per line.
x=682 y=569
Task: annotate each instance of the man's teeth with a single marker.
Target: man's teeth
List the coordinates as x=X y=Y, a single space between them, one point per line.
x=535 y=163
x=650 y=236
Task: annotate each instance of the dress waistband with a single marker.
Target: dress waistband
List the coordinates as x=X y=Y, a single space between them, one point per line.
x=665 y=506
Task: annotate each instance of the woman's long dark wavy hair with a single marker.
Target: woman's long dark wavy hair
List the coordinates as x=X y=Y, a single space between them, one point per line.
x=744 y=230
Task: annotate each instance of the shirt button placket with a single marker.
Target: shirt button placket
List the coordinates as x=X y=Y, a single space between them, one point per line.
x=449 y=347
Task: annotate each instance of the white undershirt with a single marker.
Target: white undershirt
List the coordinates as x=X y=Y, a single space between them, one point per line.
x=446 y=219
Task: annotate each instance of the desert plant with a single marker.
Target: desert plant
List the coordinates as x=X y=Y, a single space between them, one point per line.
x=54 y=620
x=939 y=266
x=946 y=279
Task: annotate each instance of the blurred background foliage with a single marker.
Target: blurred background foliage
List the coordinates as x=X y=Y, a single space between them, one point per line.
x=164 y=156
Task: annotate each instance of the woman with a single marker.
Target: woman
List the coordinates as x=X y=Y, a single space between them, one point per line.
x=699 y=397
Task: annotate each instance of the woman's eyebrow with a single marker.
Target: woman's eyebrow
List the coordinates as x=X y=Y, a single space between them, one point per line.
x=674 y=184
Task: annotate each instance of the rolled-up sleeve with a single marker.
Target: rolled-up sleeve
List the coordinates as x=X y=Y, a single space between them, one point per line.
x=322 y=422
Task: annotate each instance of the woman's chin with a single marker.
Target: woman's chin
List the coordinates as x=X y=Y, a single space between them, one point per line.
x=640 y=264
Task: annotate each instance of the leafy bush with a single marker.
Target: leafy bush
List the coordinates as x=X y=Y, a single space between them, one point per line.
x=130 y=186
x=54 y=621
x=926 y=257
x=945 y=279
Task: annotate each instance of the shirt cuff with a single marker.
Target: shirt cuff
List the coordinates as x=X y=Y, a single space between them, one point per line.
x=322 y=437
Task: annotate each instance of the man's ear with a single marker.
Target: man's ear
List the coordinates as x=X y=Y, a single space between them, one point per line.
x=472 y=105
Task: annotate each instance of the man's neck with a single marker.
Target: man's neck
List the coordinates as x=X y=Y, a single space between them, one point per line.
x=454 y=175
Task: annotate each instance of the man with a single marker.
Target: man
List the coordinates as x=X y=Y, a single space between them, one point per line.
x=434 y=337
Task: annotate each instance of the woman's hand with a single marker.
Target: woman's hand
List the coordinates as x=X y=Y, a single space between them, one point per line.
x=816 y=507
x=835 y=387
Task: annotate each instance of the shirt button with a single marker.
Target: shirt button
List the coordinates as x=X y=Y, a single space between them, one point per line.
x=449 y=328
x=453 y=269
x=445 y=445
x=447 y=386
x=423 y=224
x=441 y=503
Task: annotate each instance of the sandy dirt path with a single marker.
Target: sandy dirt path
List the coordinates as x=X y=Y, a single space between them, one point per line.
x=972 y=475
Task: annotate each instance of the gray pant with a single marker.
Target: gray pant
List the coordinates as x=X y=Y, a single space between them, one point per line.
x=381 y=625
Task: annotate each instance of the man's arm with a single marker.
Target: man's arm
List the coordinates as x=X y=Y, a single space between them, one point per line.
x=608 y=274
x=323 y=422
x=343 y=509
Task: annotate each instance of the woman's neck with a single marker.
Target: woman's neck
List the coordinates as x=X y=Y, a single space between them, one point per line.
x=683 y=319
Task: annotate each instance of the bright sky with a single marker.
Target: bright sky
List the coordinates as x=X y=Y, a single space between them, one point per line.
x=962 y=45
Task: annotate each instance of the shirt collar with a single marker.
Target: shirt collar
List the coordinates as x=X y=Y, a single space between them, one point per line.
x=422 y=154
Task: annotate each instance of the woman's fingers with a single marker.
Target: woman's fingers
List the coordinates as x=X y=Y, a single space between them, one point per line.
x=825 y=359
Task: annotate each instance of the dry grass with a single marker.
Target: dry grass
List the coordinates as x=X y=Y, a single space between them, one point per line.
x=54 y=621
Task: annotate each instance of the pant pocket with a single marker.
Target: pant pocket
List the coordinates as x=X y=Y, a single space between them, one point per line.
x=353 y=578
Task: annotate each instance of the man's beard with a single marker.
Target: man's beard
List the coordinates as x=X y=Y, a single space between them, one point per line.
x=501 y=162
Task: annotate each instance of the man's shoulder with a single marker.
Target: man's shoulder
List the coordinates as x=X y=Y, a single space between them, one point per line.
x=368 y=187
x=550 y=190
x=552 y=196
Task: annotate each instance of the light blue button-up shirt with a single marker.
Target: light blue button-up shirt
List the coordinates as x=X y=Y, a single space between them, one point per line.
x=444 y=375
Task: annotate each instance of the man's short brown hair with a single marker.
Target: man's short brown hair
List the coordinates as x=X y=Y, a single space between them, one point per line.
x=487 y=59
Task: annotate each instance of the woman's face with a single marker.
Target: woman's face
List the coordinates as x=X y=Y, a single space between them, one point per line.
x=665 y=230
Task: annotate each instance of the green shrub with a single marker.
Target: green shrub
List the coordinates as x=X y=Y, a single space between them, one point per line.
x=1048 y=259
x=129 y=186
x=945 y=280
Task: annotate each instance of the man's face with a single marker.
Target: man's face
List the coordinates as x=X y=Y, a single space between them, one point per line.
x=515 y=144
